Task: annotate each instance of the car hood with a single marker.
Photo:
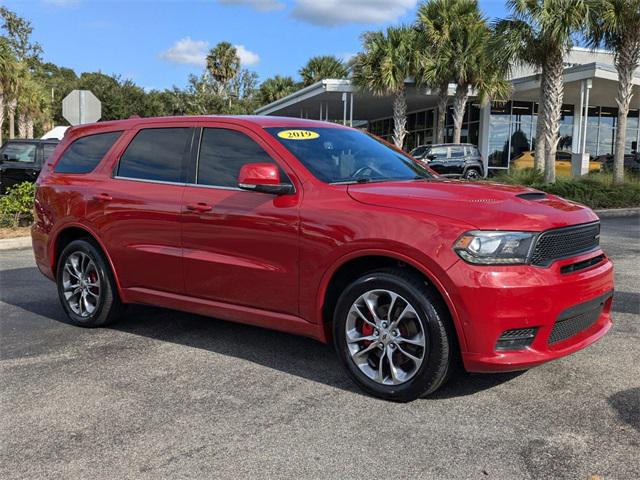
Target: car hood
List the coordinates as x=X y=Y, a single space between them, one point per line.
x=483 y=205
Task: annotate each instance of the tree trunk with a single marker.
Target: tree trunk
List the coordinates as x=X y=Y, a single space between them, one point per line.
x=22 y=125
x=11 y=110
x=443 y=96
x=539 y=147
x=459 y=105
x=626 y=61
x=399 y=118
x=30 y=129
x=1 y=115
x=553 y=93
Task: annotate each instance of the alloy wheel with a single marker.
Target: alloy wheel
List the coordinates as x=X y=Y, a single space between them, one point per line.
x=385 y=337
x=81 y=284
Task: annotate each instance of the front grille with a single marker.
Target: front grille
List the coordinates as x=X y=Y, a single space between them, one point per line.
x=565 y=242
x=577 y=319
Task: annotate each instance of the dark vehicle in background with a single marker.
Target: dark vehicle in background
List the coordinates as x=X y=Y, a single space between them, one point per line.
x=451 y=159
x=21 y=160
x=631 y=162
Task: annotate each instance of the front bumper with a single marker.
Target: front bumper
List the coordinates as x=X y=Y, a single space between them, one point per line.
x=492 y=300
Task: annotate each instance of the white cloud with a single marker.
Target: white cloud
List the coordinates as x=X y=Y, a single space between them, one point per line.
x=187 y=52
x=247 y=57
x=337 y=12
x=194 y=52
x=261 y=5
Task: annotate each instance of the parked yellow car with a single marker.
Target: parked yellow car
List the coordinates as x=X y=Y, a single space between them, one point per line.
x=563 y=163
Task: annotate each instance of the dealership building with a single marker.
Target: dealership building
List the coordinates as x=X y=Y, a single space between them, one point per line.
x=502 y=130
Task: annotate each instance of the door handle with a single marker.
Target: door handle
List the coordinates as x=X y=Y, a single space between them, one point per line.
x=199 y=207
x=103 y=197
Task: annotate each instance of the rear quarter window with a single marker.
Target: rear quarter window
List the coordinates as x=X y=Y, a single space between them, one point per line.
x=84 y=154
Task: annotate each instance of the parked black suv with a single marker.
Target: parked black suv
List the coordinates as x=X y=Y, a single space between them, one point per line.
x=451 y=159
x=21 y=161
x=631 y=162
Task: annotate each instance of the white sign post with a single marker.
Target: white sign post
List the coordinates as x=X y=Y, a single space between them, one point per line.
x=81 y=106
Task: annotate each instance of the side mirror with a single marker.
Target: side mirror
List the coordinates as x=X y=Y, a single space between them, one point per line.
x=430 y=156
x=264 y=178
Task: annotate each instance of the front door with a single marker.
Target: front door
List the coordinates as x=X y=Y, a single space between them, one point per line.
x=240 y=247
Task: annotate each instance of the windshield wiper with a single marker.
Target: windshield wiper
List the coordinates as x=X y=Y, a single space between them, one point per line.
x=354 y=182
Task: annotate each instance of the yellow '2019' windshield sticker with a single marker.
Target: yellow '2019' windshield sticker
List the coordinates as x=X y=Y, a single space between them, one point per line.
x=298 y=134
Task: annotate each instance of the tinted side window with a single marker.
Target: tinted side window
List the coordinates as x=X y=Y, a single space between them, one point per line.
x=439 y=152
x=156 y=154
x=223 y=153
x=457 y=152
x=83 y=155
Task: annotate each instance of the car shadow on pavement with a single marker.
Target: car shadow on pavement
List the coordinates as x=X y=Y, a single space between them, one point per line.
x=626 y=302
x=295 y=355
x=627 y=404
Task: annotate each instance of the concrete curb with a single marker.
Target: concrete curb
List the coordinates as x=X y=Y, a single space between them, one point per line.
x=618 y=212
x=18 y=243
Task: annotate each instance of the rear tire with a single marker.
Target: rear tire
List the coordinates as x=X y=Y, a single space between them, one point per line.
x=86 y=286
x=392 y=333
x=471 y=174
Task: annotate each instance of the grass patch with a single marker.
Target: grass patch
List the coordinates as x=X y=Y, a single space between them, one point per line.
x=595 y=190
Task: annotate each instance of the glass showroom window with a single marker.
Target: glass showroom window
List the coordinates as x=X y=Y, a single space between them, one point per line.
x=499 y=135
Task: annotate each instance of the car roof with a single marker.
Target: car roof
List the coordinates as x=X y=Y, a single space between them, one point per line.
x=448 y=145
x=257 y=120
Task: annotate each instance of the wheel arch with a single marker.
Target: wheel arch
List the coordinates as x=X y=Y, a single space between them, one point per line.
x=347 y=268
x=76 y=231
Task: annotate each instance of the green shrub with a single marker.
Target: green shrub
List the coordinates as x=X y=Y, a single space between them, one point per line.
x=595 y=190
x=16 y=207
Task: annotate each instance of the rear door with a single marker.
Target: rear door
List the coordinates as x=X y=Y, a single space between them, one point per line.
x=455 y=164
x=240 y=247
x=19 y=163
x=138 y=210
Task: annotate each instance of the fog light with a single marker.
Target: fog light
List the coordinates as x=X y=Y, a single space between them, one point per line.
x=517 y=339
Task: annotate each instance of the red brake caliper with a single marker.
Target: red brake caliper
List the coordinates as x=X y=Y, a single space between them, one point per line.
x=366 y=331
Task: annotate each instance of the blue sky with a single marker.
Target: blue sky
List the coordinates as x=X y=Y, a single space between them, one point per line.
x=158 y=43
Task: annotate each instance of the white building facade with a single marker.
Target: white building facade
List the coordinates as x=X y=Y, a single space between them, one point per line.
x=503 y=131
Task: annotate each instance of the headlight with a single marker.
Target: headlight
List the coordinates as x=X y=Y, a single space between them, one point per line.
x=495 y=248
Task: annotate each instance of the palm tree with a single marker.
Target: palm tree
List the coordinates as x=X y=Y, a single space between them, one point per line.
x=275 y=88
x=433 y=66
x=33 y=105
x=540 y=33
x=388 y=59
x=321 y=67
x=223 y=63
x=9 y=79
x=456 y=37
x=616 y=25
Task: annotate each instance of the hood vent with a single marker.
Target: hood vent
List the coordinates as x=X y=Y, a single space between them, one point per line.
x=532 y=196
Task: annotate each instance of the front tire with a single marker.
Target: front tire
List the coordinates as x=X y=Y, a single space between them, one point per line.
x=86 y=287
x=393 y=336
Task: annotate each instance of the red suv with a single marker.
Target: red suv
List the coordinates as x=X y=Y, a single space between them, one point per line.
x=320 y=230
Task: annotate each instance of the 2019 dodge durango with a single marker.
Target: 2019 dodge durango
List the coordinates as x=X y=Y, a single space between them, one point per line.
x=320 y=230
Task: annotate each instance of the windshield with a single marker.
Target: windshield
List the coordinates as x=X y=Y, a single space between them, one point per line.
x=336 y=155
x=416 y=152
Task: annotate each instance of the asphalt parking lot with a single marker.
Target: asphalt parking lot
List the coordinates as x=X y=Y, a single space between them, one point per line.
x=170 y=395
